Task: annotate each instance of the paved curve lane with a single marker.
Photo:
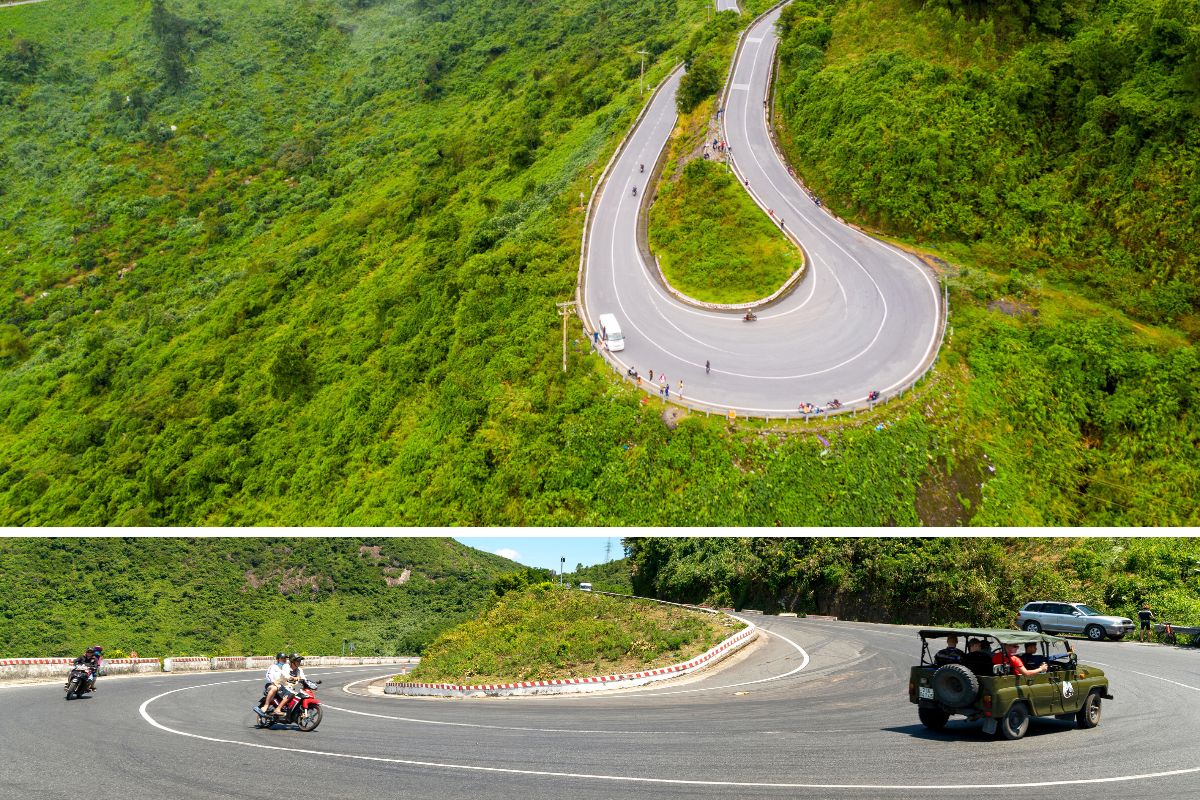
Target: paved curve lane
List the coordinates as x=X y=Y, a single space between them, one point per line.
x=819 y=710
x=865 y=317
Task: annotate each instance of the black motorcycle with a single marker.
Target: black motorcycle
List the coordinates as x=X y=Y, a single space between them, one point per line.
x=79 y=681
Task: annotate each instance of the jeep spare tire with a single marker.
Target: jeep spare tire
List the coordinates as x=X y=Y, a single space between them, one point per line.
x=954 y=685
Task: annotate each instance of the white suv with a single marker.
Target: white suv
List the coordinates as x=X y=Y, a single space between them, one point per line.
x=1054 y=617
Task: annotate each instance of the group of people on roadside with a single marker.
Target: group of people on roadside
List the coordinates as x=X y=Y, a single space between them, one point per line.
x=283 y=679
x=979 y=660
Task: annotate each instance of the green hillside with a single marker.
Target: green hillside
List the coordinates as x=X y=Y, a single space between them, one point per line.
x=1062 y=137
x=235 y=596
x=544 y=632
x=968 y=581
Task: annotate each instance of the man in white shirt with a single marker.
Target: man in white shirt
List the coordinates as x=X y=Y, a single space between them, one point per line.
x=276 y=675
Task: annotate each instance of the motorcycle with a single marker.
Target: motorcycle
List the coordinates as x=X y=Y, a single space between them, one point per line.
x=79 y=681
x=750 y=317
x=833 y=404
x=302 y=709
x=872 y=396
x=635 y=191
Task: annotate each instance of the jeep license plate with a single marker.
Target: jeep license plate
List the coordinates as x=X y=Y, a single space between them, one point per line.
x=925 y=692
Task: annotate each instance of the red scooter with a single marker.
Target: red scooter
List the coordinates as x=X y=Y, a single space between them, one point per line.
x=302 y=709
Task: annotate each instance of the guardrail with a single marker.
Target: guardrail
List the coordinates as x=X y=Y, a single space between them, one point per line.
x=20 y=669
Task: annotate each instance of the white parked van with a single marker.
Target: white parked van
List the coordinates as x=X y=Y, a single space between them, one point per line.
x=587 y=587
x=610 y=332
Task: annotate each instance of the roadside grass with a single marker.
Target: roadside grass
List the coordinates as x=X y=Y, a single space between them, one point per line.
x=547 y=632
x=711 y=241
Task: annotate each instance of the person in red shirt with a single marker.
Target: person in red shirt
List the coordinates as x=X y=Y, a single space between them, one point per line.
x=1009 y=656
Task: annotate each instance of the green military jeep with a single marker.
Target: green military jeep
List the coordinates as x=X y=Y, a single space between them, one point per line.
x=946 y=684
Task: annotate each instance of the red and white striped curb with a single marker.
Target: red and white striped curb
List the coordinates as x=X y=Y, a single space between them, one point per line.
x=737 y=640
x=31 y=662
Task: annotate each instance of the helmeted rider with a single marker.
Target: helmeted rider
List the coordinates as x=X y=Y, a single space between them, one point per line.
x=293 y=678
x=91 y=659
x=276 y=676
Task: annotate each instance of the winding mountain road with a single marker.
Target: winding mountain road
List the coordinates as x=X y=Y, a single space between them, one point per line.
x=817 y=710
x=866 y=316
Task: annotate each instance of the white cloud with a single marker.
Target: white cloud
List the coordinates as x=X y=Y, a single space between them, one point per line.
x=509 y=553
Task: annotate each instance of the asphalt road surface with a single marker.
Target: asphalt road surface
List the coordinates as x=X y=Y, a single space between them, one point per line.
x=865 y=317
x=818 y=710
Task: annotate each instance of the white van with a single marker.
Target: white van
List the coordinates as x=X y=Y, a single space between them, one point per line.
x=610 y=332
x=586 y=587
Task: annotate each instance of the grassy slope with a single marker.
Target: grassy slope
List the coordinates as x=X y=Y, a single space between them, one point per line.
x=236 y=596
x=711 y=241
x=545 y=632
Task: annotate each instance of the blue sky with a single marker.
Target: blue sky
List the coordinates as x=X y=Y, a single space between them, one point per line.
x=544 y=551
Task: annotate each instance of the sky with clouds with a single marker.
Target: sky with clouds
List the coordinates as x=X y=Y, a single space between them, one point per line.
x=545 y=551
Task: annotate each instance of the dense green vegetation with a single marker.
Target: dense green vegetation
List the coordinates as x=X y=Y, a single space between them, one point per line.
x=965 y=581
x=237 y=596
x=1066 y=134
x=612 y=576
x=712 y=242
x=544 y=632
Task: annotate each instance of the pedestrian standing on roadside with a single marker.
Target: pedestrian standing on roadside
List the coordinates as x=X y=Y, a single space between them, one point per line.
x=596 y=340
x=680 y=392
x=707 y=367
x=667 y=389
x=1144 y=617
x=652 y=376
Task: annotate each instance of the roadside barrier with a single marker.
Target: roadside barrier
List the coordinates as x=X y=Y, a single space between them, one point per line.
x=54 y=669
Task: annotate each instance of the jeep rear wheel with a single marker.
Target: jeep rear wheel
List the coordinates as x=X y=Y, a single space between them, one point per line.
x=1094 y=632
x=1015 y=722
x=1033 y=627
x=933 y=718
x=1089 y=715
x=955 y=686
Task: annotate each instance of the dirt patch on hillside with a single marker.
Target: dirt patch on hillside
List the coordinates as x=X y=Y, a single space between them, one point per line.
x=1011 y=308
x=950 y=497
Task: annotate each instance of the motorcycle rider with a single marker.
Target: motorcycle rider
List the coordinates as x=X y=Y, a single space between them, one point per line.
x=293 y=678
x=91 y=660
x=275 y=677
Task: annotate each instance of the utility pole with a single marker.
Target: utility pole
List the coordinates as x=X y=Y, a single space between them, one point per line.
x=562 y=560
x=565 y=310
x=642 y=72
x=608 y=551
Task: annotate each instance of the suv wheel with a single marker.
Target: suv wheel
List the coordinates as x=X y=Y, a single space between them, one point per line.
x=1015 y=722
x=955 y=686
x=1095 y=632
x=1033 y=627
x=1089 y=715
x=934 y=718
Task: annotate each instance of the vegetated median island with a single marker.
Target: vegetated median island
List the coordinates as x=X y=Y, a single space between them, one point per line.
x=545 y=632
x=712 y=242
